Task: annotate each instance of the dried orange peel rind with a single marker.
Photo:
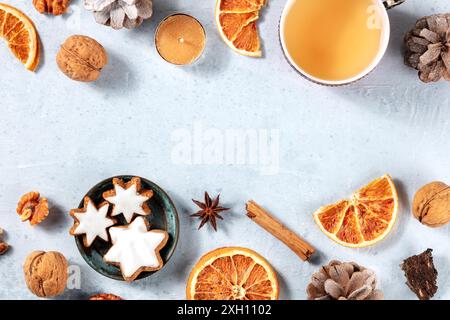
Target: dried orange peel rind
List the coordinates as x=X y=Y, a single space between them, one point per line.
x=21 y=35
x=363 y=220
x=232 y=273
x=236 y=21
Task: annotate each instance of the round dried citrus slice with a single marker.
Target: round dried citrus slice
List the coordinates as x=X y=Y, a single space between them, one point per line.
x=236 y=20
x=363 y=220
x=232 y=273
x=21 y=35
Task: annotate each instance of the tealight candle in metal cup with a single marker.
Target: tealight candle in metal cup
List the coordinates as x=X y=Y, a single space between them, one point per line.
x=180 y=39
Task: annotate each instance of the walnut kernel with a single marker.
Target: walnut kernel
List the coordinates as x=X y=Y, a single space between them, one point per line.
x=105 y=296
x=3 y=248
x=33 y=208
x=3 y=245
x=54 y=7
x=81 y=58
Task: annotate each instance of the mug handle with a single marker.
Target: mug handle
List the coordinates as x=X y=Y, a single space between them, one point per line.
x=388 y=4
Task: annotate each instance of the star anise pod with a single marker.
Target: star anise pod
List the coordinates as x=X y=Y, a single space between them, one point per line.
x=209 y=212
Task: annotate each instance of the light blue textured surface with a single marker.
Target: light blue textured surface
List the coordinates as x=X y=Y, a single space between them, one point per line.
x=62 y=137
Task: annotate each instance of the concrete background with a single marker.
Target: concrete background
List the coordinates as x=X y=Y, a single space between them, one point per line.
x=61 y=137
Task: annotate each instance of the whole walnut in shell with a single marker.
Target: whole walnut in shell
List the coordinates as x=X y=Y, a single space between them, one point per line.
x=431 y=204
x=46 y=273
x=54 y=7
x=81 y=58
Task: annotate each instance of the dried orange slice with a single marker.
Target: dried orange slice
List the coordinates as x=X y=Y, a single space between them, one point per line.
x=19 y=31
x=232 y=273
x=363 y=220
x=236 y=20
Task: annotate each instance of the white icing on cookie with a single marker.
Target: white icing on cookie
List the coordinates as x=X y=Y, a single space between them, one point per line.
x=127 y=202
x=135 y=247
x=93 y=223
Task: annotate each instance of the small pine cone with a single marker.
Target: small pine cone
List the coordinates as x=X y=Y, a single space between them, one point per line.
x=428 y=48
x=120 y=14
x=54 y=7
x=343 y=281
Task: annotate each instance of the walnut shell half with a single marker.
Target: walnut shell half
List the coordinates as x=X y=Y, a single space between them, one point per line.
x=431 y=204
x=81 y=58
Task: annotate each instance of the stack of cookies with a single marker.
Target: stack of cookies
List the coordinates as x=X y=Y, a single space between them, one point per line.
x=134 y=247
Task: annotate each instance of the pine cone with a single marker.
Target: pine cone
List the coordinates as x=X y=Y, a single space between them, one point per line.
x=428 y=48
x=120 y=13
x=343 y=281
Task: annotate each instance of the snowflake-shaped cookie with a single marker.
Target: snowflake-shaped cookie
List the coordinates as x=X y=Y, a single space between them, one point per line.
x=128 y=198
x=136 y=249
x=91 y=222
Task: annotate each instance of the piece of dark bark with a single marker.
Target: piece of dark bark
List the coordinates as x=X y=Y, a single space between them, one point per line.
x=421 y=274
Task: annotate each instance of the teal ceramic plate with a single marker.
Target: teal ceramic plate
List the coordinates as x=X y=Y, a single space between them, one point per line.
x=164 y=216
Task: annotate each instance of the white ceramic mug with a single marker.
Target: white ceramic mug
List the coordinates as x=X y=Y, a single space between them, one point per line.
x=383 y=6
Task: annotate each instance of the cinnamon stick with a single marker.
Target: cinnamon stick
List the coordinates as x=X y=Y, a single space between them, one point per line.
x=300 y=247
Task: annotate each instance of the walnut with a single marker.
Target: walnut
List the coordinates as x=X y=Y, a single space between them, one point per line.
x=3 y=245
x=105 y=296
x=81 y=58
x=55 y=7
x=33 y=208
x=431 y=204
x=46 y=273
x=3 y=248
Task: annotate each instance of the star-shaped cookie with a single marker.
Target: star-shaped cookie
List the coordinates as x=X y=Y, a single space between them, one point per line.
x=128 y=198
x=91 y=222
x=135 y=249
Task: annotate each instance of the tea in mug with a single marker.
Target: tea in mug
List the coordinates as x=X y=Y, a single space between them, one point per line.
x=333 y=40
